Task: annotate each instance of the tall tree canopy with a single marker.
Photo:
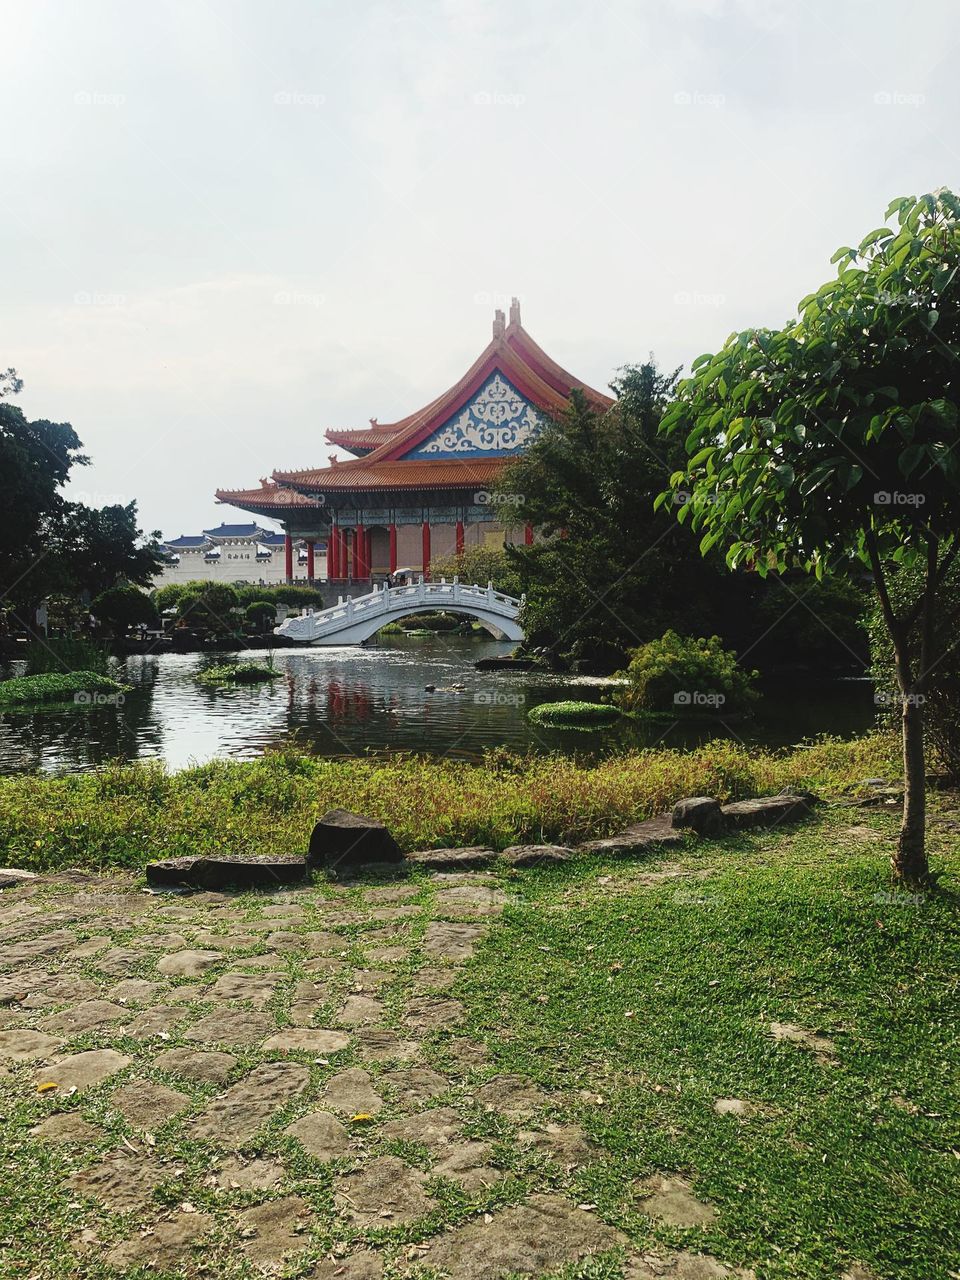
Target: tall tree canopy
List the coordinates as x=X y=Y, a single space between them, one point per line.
x=835 y=439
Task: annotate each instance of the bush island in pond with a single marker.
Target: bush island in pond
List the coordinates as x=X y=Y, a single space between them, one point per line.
x=683 y=675
x=574 y=715
x=237 y=673
x=82 y=687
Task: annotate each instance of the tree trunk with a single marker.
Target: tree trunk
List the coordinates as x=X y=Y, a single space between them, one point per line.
x=910 y=860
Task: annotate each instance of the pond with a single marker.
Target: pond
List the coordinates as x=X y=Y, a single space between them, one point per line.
x=348 y=701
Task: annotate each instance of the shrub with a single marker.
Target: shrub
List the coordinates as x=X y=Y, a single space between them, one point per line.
x=208 y=606
x=479 y=565
x=574 y=715
x=121 y=607
x=237 y=673
x=57 y=687
x=261 y=615
x=78 y=653
x=685 y=675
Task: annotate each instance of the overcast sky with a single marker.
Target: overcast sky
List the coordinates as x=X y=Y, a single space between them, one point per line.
x=227 y=225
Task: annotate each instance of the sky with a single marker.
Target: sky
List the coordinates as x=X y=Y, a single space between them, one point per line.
x=227 y=225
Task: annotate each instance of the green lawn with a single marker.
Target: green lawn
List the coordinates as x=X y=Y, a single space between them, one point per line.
x=651 y=987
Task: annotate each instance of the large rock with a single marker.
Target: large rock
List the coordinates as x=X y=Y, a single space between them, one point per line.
x=701 y=814
x=534 y=855
x=226 y=872
x=344 y=842
x=11 y=877
x=768 y=811
x=466 y=859
x=642 y=837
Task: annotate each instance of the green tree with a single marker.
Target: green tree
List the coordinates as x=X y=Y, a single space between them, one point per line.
x=261 y=615
x=119 y=608
x=98 y=547
x=480 y=565
x=209 y=606
x=834 y=439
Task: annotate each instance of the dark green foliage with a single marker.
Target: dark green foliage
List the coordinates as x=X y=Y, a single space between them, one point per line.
x=75 y=654
x=684 y=676
x=57 y=687
x=574 y=715
x=261 y=615
x=238 y=673
x=119 y=608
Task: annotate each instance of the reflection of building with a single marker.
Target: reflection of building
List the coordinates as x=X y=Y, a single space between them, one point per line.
x=424 y=486
x=239 y=553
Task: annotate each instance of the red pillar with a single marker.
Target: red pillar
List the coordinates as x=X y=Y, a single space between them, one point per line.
x=459 y=537
x=288 y=557
x=393 y=548
x=343 y=565
x=311 y=563
x=333 y=546
x=528 y=535
x=359 y=551
x=426 y=549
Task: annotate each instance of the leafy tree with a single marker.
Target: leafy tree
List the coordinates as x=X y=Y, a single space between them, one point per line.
x=166 y=597
x=98 y=547
x=209 y=606
x=834 y=439
x=119 y=608
x=261 y=615
x=480 y=565
x=610 y=572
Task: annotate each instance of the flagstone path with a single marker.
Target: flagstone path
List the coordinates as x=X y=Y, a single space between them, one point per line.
x=235 y=1085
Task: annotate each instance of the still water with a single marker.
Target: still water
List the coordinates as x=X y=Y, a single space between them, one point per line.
x=341 y=702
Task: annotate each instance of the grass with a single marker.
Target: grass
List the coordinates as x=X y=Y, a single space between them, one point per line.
x=81 y=687
x=125 y=815
x=647 y=994
x=237 y=673
x=573 y=715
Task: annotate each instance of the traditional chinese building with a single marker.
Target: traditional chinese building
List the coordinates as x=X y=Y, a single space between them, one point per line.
x=422 y=487
x=236 y=553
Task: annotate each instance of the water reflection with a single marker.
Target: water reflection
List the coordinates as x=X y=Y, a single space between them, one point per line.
x=339 y=702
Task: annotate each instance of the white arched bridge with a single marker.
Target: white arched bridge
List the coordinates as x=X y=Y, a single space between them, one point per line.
x=356 y=620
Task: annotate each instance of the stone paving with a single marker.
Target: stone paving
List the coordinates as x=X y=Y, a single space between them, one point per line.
x=240 y=1085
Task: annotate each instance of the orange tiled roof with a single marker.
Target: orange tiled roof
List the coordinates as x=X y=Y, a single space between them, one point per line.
x=417 y=473
x=270 y=496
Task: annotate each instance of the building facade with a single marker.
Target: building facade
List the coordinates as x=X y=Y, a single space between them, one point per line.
x=423 y=487
x=240 y=553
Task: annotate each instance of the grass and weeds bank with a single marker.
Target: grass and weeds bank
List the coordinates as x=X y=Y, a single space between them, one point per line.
x=126 y=815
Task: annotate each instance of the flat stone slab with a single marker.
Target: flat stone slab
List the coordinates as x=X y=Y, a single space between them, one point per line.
x=164 y=1246
x=145 y=1105
x=766 y=811
x=274 y=1230
x=232 y=1119
x=351 y=1093
x=685 y=1266
x=534 y=855
x=321 y=1135
x=259 y=1174
x=434 y=1129
x=135 y=991
x=512 y=1096
x=188 y=964
x=670 y=1199
x=567 y=1144
x=360 y=1011
x=413 y=1086
x=27 y=1046
x=225 y=873
x=67 y=1126
x=381 y=1045
x=257 y=988
x=85 y=1016
x=468 y=858
x=734 y=1107
x=446 y=940
x=466 y=1164
x=208 y=1068
x=640 y=838
x=231 y=1026
x=13 y=877
x=83 y=1070
x=359 y=1266
x=121 y=1182
x=307 y=1040
x=701 y=814
x=430 y=1013
x=345 y=842
x=384 y=1192
x=158 y=1020
x=543 y=1234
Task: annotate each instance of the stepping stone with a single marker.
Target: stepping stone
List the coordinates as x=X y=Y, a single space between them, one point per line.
x=145 y=1105
x=225 y=872
x=701 y=814
x=415 y=1085
x=16 y=987
x=641 y=838
x=85 y=1016
x=268 y=960
x=453 y=859
x=351 y=1093
x=465 y=1052
x=767 y=811
x=249 y=1175
x=360 y=1011
x=284 y=911
x=321 y=1135
x=466 y=1163
x=27 y=1046
x=388 y=955
x=273 y=1230
x=346 y=843
x=319 y=941
x=359 y=1266
x=231 y=1026
x=162 y=1247
x=307 y=1040
x=61 y=988
x=225 y=941
x=435 y=979
x=119 y=962
x=258 y=988
x=384 y=1192
x=366 y=980
x=393 y=913
x=232 y=1119
x=512 y=1096
x=429 y=1013
x=447 y=941
x=83 y=1070
x=822 y=1046
x=328 y=966
x=13 y=877
x=89 y=948
x=120 y=1182
x=431 y=1129
x=137 y=990
x=470 y=899
x=543 y=1234
x=536 y=855
x=392 y=893
x=164 y=941
x=208 y=1068
x=67 y=1126
x=567 y=1144
x=157 y=1021
x=48 y=945
x=671 y=1200
x=688 y=1266
x=734 y=1107
x=188 y=964
x=380 y=1045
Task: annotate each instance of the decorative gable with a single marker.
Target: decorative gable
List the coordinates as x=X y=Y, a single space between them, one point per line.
x=497 y=422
